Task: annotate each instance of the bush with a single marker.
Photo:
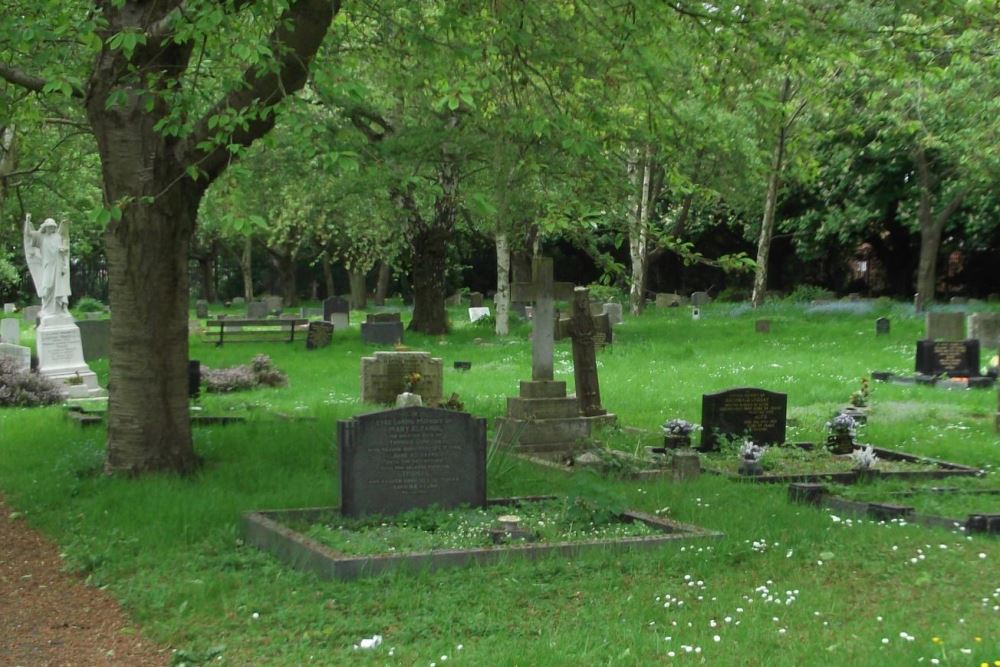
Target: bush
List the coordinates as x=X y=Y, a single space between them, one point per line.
x=605 y=293
x=89 y=305
x=734 y=294
x=25 y=389
x=807 y=293
x=261 y=371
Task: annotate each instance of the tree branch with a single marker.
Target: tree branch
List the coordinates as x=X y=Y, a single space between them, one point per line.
x=31 y=82
x=295 y=40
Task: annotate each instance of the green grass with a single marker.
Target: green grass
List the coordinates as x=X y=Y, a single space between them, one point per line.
x=169 y=549
x=953 y=498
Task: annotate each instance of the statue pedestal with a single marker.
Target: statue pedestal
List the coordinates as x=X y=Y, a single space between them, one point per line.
x=60 y=356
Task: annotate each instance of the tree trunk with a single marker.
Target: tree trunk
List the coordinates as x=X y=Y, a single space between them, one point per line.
x=429 y=260
x=206 y=271
x=359 y=291
x=246 y=268
x=638 y=238
x=284 y=263
x=382 y=285
x=931 y=228
x=502 y=299
x=328 y=276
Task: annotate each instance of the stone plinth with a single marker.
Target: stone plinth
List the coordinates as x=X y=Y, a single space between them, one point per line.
x=60 y=355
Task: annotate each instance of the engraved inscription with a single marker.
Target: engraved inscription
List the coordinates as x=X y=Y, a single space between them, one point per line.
x=60 y=347
x=950 y=355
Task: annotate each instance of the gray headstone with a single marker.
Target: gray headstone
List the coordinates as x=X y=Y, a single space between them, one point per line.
x=256 y=310
x=985 y=327
x=274 y=303
x=9 y=307
x=614 y=312
x=944 y=326
x=476 y=314
x=475 y=299
x=30 y=315
x=700 y=298
x=882 y=326
x=958 y=300
x=762 y=326
x=10 y=331
x=408 y=458
x=454 y=300
x=95 y=336
x=238 y=301
x=19 y=353
x=319 y=335
x=337 y=310
x=384 y=376
x=669 y=300
x=379 y=332
x=757 y=413
x=956 y=358
x=201 y=309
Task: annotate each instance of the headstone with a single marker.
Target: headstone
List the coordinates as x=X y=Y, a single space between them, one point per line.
x=337 y=311
x=669 y=300
x=95 y=336
x=956 y=358
x=958 y=300
x=476 y=314
x=700 y=298
x=19 y=353
x=757 y=413
x=382 y=329
x=581 y=328
x=475 y=299
x=685 y=465
x=408 y=458
x=454 y=300
x=384 y=376
x=614 y=312
x=9 y=307
x=10 y=331
x=319 y=335
x=944 y=326
x=201 y=309
x=60 y=353
x=529 y=312
x=194 y=378
x=762 y=326
x=543 y=291
x=596 y=308
x=257 y=310
x=985 y=327
x=274 y=303
x=520 y=309
x=882 y=326
x=238 y=301
x=30 y=315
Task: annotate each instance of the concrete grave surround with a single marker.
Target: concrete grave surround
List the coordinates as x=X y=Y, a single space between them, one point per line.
x=384 y=374
x=614 y=312
x=95 y=336
x=318 y=335
x=30 y=314
x=337 y=311
x=882 y=326
x=19 y=353
x=407 y=458
x=760 y=413
x=944 y=326
x=382 y=329
x=985 y=327
x=10 y=331
x=669 y=300
x=60 y=354
x=476 y=314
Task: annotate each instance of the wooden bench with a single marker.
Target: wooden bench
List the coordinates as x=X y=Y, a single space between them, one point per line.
x=231 y=330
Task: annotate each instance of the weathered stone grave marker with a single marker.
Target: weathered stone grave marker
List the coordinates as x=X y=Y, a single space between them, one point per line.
x=476 y=314
x=257 y=310
x=700 y=298
x=382 y=329
x=614 y=312
x=956 y=358
x=9 y=307
x=319 y=335
x=201 y=309
x=985 y=327
x=238 y=301
x=10 y=331
x=882 y=326
x=19 y=353
x=475 y=299
x=384 y=376
x=669 y=300
x=757 y=413
x=944 y=326
x=30 y=315
x=762 y=326
x=584 y=331
x=95 y=336
x=274 y=304
x=337 y=311
x=408 y=458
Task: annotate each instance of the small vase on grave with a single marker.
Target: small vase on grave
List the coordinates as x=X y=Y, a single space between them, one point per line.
x=408 y=400
x=840 y=443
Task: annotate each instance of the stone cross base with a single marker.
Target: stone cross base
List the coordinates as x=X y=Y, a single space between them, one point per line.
x=544 y=421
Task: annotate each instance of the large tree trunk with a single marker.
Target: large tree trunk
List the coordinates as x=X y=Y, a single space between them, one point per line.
x=931 y=228
x=359 y=290
x=284 y=263
x=429 y=261
x=502 y=299
x=246 y=268
x=382 y=284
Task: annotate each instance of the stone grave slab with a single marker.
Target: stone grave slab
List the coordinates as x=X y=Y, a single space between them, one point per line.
x=758 y=413
x=408 y=458
x=30 y=315
x=882 y=326
x=700 y=298
x=614 y=312
x=337 y=311
x=318 y=335
x=257 y=310
x=944 y=326
x=669 y=300
x=10 y=331
x=382 y=329
x=985 y=327
x=475 y=299
x=95 y=336
x=19 y=353
x=201 y=309
x=476 y=314
x=384 y=376
x=955 y=358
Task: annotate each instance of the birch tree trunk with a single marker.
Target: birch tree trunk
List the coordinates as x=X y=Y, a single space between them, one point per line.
x=502 y=299
x=638 y=238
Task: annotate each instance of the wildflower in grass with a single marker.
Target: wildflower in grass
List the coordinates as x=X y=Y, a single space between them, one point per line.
x=750 y=452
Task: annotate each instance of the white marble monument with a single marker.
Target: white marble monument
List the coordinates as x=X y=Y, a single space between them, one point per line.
x=60 y=351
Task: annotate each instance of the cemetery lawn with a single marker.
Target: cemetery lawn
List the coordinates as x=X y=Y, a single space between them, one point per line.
x=788 y=585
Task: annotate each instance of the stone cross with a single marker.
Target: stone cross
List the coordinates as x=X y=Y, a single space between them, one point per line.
x=542 y=291
x=582 y=329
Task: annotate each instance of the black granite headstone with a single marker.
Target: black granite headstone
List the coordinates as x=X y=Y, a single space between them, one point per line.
x=882 y=326
x=335 y=304
x=956 y=358
x=319 y=335
x=397 y=460
x=382 y=329
x=757 y=413
x=194 y=378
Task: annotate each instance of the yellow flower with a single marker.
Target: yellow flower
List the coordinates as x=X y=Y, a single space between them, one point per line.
x=936 y=640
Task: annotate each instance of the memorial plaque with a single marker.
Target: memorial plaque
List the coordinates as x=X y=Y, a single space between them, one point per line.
x=882 y=326
x=95 y=336
x=746 y=411
x=408 y=458
x=319 y=335
x=956 y=358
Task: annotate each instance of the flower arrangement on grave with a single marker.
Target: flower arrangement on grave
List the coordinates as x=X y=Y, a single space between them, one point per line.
x=678 y=432
x=411 y=381
x=859 y=399
x=842 y=430
x=864 y=458
x=750 y=456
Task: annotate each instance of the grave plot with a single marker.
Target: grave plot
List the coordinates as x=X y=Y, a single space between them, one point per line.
x=413 y=497
x=972 y=505
x=944 y=364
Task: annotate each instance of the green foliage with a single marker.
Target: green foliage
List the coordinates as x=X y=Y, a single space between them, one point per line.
x=89 y=305
x=808 y=293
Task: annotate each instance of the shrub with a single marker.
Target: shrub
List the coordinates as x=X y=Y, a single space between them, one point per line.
x=734 y=294
x=23 y=389
x=89 y=305
x=605 y=293
x=807 y=293
x=261 y=371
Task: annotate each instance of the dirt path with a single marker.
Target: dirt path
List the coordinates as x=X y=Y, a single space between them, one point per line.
x=50 y=618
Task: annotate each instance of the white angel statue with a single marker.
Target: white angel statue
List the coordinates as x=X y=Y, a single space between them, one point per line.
x=47 y=252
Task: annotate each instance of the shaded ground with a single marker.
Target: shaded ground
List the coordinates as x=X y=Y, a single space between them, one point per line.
x=50 y=618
